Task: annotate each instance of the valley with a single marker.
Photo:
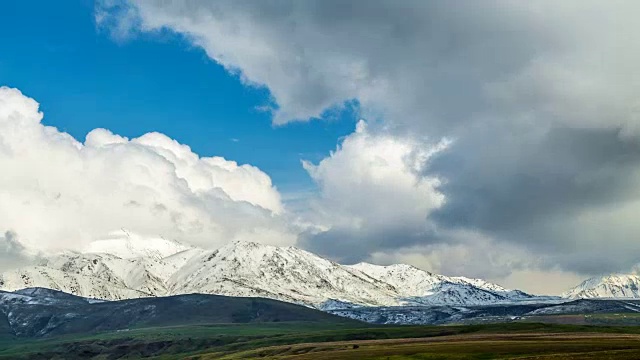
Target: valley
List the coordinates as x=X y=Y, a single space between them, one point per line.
x=39 y=323
x=299 y=340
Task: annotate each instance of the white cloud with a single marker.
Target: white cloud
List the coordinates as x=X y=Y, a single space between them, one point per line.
x=56 y=192
x=374 y=180
x=371 y=186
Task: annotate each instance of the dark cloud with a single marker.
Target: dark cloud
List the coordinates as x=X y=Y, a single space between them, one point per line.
x=534 y=193
x=497 y=185
x=349 y=247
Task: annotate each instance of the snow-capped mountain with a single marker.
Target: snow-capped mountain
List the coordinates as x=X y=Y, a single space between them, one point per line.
x=123 y=267
x=417 y=286
x=96 y=276
x=288 y=274
x=128 y=245
x=608 y=286
x=40 y=296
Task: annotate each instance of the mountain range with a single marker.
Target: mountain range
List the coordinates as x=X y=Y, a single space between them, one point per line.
x=125 y=267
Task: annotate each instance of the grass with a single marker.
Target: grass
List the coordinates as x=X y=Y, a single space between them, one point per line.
x=492 y=347
x=621 y=319
x=342 y=341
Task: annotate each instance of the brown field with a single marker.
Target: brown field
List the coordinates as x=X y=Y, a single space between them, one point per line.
x=517 y=340
x=473 y=346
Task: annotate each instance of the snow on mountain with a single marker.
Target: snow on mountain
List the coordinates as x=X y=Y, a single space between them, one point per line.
x=608 y=286
x=417 y=286
x=288 y=274
x=41 y=296
x=77 y=284
x=122 y=267
x=407 y=280
x=127 y=245
x=10 y=298
x=102 y=276
x=38 y=296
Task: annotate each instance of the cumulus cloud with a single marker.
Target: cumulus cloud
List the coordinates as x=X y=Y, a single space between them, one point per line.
x=540 y=97
x=373 y=194
x=59 y=193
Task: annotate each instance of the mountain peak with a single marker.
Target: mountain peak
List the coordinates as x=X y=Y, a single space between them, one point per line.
x=127 y=245
x=382 y=271
x=247 y=245
x=607 y=286
x=392 y=267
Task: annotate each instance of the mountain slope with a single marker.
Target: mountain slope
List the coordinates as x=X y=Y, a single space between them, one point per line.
x=608 y=286
x=289 y=274
x=252 y=270
x=100 y=276
x=127 y=245
x=43 y=313
x=126 y=269
x=417 y=286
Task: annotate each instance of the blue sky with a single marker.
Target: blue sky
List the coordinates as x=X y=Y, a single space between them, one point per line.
x=53 y=52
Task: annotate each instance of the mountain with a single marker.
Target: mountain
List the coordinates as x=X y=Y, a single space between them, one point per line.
x=534 y=311
x=288 y=274
x=100 y=276
x=417 y=286
x=40 y=296
x=43 y=312
x=127 y=245
x=126 y=267
x=608 y=286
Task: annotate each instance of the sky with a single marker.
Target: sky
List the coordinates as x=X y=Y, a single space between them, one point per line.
x=491 y=139
x=83 y=79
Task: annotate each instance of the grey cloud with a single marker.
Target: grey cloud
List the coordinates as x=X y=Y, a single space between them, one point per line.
x=411 y=58
x=496 y=185
x=349 y=247
x=536 y=192
x=12 y=253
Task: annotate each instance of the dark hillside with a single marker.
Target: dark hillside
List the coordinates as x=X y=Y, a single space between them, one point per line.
x=32 y=319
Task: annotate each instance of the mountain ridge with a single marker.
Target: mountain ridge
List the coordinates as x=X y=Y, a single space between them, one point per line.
x=617 y=286
x=38 y=312
x=247 y=269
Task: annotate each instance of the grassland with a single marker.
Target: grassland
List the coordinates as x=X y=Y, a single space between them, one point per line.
x=344 y=341
x=489 y=346
x=628 y=319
